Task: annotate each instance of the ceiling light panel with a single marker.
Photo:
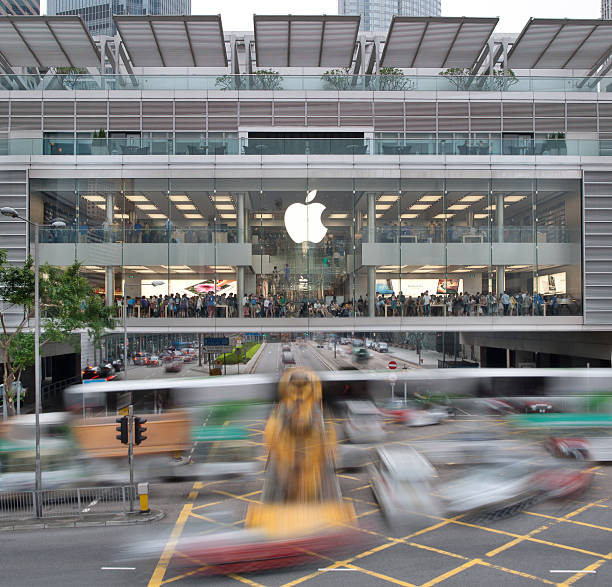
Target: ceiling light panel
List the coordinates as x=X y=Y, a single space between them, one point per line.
x=409 y=216
x=338 y=216
x=193 y=216
x=224 y=206
x=94 y=198
x=471 y=198
x=269 y=216
x=228 y=216
x=388 y=198
x=514 y=198
x=444 y=216
x=185 y=206
x=137 y=198
x=179 y=198
x=430 y=199
x=157 y=216
x=383 y=206
x=146 y=206
x=458 y=207
x=221 y=198
x=419 y=206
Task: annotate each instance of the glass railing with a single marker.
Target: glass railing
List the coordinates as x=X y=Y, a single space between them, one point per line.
x=220 y=234
x=305 y=146
x=325 y=82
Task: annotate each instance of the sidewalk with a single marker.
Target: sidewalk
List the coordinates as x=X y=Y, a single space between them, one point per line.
x=90 y=520
x=430 y=358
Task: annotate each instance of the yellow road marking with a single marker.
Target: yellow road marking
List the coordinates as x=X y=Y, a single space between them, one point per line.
x=245 y=580
x=578 y=576
x=451 y=573
x=157 y=578
x=347 y=477
x=380 y=576
x=605 y=528
x=437 y=550
x=513 y=572
x=199 y=507
x=516 y=541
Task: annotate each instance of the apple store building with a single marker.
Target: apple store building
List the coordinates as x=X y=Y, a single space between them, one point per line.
x=309 y=172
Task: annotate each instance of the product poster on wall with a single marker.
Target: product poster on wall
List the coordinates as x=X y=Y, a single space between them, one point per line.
x=555 y=283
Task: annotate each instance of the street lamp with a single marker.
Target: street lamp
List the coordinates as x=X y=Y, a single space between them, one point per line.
x=12 y=213
x=154 y=283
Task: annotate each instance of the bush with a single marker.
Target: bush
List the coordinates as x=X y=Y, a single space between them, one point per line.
x=238 y=355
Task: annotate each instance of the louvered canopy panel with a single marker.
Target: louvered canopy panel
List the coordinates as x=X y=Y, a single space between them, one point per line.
x=436 y=42
x=173 y=41
x=305 y=41
x=562 y=44
x=47 y=41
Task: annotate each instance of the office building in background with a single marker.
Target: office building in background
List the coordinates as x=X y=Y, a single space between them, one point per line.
x=20 y=7
x=98 y=14
x=606 y=9
x=376 y=15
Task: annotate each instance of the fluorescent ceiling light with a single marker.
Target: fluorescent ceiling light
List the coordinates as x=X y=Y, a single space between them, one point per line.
x=144 y=271
x=424 y=271
x=432 y=267
x=94 y=198
x=137 y=198
x=476 y=266
x=183 y=271
x=193 y=216
x=471 y=198
x=224 y=271
x=458 y=207
x=518 y=266
x=514 y=198
x=383 y=206
x=175 y=266
x=493 y=207
x=420 y=206
x=135 y=267
x=101 y=206
x=388 y=198
x=179 y=198
x=221 y=198
x=91 y=267
x=228 y=216
x=390 y=267
x=157 y=216
x=266 y=216
x=430 y=199
x=481 y=215
x=337 y=216
x=224 y=206
x=185 y=206
x=146 y=206
x=409 y=216
x=379 y=215
x=443 y=215
x=459 y=271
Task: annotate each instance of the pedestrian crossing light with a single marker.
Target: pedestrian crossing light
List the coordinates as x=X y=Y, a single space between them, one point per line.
x=139 y=429
x=122 y=429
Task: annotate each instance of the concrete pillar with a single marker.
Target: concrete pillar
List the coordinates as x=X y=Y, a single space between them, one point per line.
x=499 y=213
x=241 y=239
x=371 y=239
x=109 y=284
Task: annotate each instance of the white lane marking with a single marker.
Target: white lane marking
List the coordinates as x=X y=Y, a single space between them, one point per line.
x=117 y=568
x=562 y=571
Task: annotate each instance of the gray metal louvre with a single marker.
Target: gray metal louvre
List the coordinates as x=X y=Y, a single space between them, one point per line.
x=58 y=108
x=25 y=108
x=64 y=123
x=361 y=121
x=389 y=109
x=322 y=121
x=124 y=123
x=605 y=109
x=485 y=109
x=355 y=108
x=228 y=123
x=4 y=123
x=389 y=123
x=255 y=109
x=288 y=108
x=597 y=250
x=582 y=109
x=453 y=109
x=222 y=108
x=492 y=124
x=13 y=233
x=605 y=124
x=23 y=123
x=420 y=123
x=550 y=124
x=190 y=108
x=517 y=109
x=420 y=109
x=258 y=120
x=157 y=123
x=91 y=108
x=322 y=108
x=91 y=122
x=289 y=121
x=549 y=109
x=124 y=108
x=453 y=124
x=186 y=124
x=582 y=124
x=157 y=108
x=518 y=124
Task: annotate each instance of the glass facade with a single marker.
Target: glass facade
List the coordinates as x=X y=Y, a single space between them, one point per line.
x=376 y=15
x=319 y=247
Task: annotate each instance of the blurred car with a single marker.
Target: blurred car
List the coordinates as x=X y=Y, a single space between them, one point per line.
x=153 y=361
x=118 y=365
x=105 y=371
x=382 y=347
x=175 y=366
x=286 y=348
x=140 y=359
x=401 y=483
x=188 y=358
x=361 y=355
x=287 y=358
x=363 y=422
x=320 y=345
x=411 y=414
x=537 y=407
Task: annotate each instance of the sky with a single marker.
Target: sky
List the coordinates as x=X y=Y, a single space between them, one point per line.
x=237 y=15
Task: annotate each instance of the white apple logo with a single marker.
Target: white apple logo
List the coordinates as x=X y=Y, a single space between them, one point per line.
x=303 y=222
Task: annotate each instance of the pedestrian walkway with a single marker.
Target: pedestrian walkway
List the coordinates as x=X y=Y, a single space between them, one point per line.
x=429 y=358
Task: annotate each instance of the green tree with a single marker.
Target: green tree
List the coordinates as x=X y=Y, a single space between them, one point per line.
x=67 y=303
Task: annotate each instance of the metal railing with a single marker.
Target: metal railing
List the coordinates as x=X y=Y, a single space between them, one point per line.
x=66 y=503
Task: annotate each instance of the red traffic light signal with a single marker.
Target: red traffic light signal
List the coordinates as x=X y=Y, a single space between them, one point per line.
x=123 y=435
x=138 y=430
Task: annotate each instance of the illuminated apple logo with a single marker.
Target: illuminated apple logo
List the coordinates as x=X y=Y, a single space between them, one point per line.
x=303 y=222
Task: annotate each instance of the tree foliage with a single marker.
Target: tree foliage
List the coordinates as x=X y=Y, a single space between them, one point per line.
x=67 y=303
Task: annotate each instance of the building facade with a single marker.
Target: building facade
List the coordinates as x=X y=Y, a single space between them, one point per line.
x=321 y=203
x=606 y=9
x=19 y=7
x=376 y=15
x=98 y=14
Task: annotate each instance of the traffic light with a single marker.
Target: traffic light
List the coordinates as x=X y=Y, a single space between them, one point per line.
x=139 y=429
x=122 y=429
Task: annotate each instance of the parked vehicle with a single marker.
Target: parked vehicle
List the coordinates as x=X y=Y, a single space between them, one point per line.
x=382 y=347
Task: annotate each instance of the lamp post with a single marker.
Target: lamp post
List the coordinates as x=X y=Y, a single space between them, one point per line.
x=12 y=213
x=154 y=283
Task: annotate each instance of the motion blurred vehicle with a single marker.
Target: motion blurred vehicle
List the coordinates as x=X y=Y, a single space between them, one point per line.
x=537 y=407
x=101 y=372
x=363 y=422
x=361 y=355
x=175 y=366
x=153 y=361
x=401 y=483
x=140 y=359
x=357 y=343
x=188 y=358
x=410 y=413
x=286 y=348
x=382 y=347
x=287 y=358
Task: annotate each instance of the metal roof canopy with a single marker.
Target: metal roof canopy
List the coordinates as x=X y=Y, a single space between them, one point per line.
x=173 y=41
x=551 y=43
x=436 y=42
x=305 y=41
x=47 y=41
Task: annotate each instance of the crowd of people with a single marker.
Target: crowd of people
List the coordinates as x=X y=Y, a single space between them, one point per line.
x=391 y=305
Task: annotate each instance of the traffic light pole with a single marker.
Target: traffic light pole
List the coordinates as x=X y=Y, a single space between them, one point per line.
x=131 y=453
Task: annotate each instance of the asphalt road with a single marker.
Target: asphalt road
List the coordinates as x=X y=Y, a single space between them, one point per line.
x=566 y=536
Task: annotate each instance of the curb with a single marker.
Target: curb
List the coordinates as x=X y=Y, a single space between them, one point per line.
x=255 y=358
x=154 y=516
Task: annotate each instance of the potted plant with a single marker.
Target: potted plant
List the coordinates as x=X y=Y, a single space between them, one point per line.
x=393 y=79
x=463 y=79
x=460 y=77
x=266 y=79
x=336 y=79
x=230 y=82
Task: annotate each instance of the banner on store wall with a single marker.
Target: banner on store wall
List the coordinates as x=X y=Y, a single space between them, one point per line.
x=191 y=287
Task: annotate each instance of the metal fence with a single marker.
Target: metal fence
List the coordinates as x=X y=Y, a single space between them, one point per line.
x=62 y=503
